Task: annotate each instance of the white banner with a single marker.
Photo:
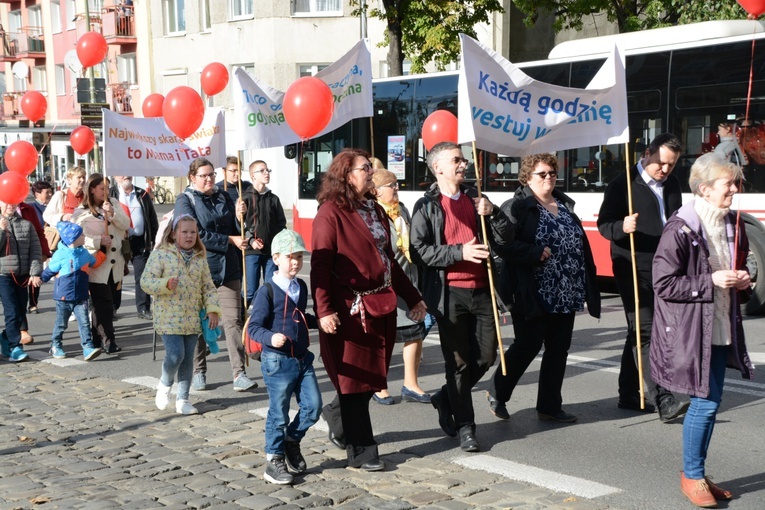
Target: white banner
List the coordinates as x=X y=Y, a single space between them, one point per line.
x=134 y=146
x=258 y=110
x=505 y=111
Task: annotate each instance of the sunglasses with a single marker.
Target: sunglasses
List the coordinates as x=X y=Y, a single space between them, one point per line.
x=543 y=175
x=393 y=185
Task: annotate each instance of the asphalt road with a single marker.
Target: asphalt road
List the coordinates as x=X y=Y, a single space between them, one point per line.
x=622 y=459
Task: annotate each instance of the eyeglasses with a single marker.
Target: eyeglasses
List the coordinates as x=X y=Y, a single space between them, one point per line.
x=543 y=175
x=393 y=185
x=205 y=176
x=263 y=171
x=367 y=168
x=457 y=160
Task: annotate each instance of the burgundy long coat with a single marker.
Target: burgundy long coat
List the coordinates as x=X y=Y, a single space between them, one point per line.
x=344 y=258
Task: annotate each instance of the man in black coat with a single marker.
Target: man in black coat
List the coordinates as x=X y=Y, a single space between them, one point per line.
x=143 y=219
x=656 y=195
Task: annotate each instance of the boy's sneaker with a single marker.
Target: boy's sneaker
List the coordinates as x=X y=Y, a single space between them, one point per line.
x=18 y=354
x=276 y=471
x=185 y=407
x=295 y=461
x=163 y=393
x=244 y=383
x=57 y=352
x=199 y=382
x=91 y=353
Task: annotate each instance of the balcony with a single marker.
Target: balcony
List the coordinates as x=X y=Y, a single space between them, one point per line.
x=9 y=48
x=118 y=25
x=120 y=97
x=30 y=43
x=81 y=24
x=11 y=105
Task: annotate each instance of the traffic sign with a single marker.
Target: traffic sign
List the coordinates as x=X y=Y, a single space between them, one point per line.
x=91 y=114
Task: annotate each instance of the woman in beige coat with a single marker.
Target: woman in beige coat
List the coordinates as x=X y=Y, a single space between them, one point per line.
x=105 y=225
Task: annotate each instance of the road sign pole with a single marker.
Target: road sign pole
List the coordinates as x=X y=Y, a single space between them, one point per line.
x=92 y=90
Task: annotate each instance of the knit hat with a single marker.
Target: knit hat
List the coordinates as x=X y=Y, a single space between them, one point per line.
x=68 y=231
x=383 y=177
x=287 y=241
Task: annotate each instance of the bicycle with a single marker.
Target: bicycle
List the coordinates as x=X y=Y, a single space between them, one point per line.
x=162 y=194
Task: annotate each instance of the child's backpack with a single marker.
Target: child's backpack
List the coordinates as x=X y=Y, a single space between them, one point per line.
x=252 y=347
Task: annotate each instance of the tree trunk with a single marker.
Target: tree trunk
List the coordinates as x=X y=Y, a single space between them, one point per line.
x=393 y=10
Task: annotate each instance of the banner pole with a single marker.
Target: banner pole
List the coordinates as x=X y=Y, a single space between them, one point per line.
x=634 y=280
x=476 y=161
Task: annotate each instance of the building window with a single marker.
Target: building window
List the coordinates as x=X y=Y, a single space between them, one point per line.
x=175 y=16
x=95 y=7
x=240 y=8
x=19 y=84
x=70 y=13
x=60 y=80
x=317 y=7
x=40 y=78
x=14 y=22
x=204 y=8
x=55 y=16
x=34 y=17
x=310 y=69
x=126 y=72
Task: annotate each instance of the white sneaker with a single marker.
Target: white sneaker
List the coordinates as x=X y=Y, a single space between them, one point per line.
x=162 y=396
x=185 y=407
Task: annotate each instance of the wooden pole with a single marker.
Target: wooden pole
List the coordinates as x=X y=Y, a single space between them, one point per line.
x=488 y=265
x=241 y=226
x=634 y=280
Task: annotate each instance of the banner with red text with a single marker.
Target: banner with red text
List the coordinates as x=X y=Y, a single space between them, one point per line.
x=258 y=110
x=147 y=147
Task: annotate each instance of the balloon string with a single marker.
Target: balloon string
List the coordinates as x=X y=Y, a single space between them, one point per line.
x=55 y=125
x=751 y=80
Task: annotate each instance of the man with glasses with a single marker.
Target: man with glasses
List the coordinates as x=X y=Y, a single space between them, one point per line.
x=656 y=195
x=446 y=241
x=231 y=177
x=265 y=218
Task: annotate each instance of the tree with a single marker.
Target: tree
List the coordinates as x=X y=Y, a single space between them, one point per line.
x=428 y=30
x=630 y=15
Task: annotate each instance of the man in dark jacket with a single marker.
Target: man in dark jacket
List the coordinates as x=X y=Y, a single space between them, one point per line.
x=143 y=220
x=265 y=218
x=445 y=242
x=231 y=178
x=656 y=195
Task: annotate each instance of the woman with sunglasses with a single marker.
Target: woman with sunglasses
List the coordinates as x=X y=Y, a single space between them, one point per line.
x=548 y=274
x=355 y=280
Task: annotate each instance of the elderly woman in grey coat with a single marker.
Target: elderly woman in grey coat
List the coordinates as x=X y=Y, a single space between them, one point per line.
x=700 y=276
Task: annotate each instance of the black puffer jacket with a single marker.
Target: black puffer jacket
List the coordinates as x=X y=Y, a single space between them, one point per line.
x=264 y=219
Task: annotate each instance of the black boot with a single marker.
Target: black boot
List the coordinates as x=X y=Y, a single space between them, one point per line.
x=364 y=457
x=113 y=347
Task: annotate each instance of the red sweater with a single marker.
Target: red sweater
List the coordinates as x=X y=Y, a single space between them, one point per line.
x=459 y=228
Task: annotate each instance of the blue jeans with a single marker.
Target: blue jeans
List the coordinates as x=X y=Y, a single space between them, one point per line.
x=257 y=264
x=64 y=310
x=283 y=377
x=179 y=357
x=14 y=299
x=700 y=419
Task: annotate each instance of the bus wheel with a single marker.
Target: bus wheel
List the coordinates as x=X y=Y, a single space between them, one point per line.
x=756 y=264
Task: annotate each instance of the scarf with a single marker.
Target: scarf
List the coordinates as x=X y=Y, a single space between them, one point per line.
x=402 y=227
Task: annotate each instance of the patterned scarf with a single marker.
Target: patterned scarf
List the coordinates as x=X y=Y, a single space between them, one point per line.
x=402 y=227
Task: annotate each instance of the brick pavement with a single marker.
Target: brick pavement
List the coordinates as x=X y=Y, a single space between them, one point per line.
x=71 y=441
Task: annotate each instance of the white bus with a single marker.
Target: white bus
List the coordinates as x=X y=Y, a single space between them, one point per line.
x=684 y=80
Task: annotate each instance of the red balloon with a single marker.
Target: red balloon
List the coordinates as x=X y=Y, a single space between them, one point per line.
x=308 y=106
x=82 y=140
x=152 y=105
x=440 y=126
x=91 y=49
x=14 y=188
x=21 y=157
x=214 y=78
x=184 y=111
x=753 y=7
x=34 y=105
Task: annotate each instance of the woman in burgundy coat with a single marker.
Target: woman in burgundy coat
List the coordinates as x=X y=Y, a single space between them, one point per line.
x=354 y=280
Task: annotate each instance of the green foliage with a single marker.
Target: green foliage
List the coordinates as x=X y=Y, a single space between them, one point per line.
x=429 y=29
x=630 y=15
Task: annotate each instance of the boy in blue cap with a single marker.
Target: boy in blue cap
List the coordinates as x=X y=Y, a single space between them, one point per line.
x=70 y=291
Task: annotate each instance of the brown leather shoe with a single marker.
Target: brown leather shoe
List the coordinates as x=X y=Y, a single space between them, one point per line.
x=26 y=338
x=718 y=492
x=697 y=491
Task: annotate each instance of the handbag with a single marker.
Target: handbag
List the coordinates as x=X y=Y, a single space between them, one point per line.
x=210 y=335
x=127 y=251
x=52 y=236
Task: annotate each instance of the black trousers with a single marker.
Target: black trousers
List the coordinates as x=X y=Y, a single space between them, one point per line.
x=553 y=330
x=629 y=383
x=348 y=416
x=102 y=316
x=469 y=346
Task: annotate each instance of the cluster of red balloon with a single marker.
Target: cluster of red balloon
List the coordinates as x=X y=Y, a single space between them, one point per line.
x=21 y=160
